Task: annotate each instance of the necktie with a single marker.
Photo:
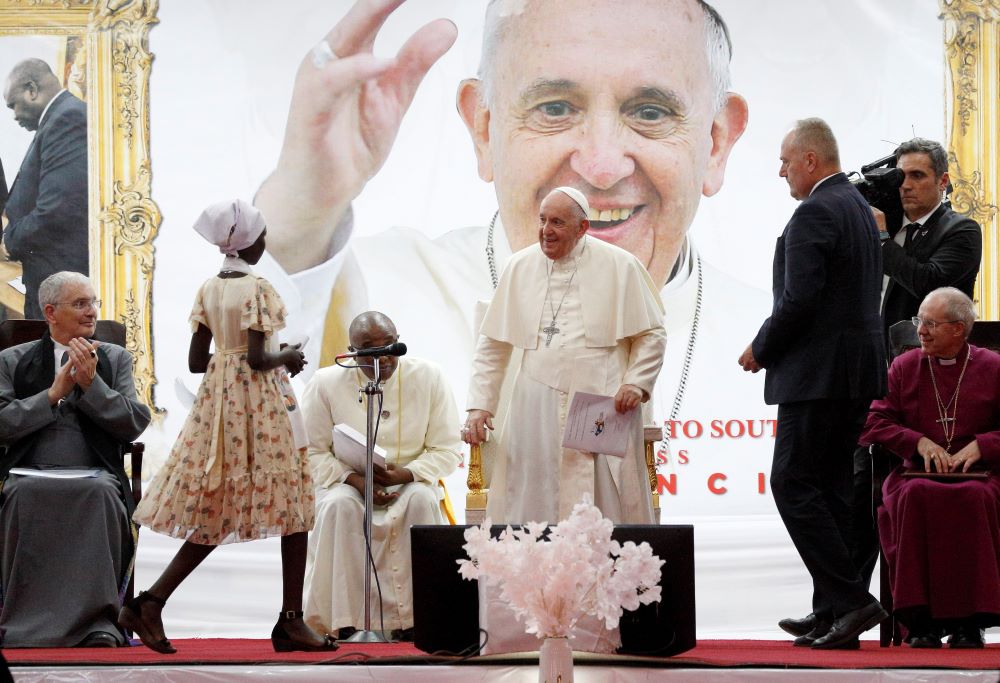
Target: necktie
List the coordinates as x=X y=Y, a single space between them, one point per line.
x=913 y=233
x=64 y=359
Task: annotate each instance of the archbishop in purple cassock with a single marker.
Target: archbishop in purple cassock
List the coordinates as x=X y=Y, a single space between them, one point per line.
x=942 y=538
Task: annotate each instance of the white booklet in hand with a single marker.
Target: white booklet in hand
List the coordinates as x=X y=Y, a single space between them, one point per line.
x=593 y=425
x=349 y=445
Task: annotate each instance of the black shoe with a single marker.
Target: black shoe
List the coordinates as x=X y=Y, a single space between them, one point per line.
x=967 y=638
x=402 y=635
x=281 y=641
x=99 y=639
x=799 y=627
x=849 y=626
x=924 y=641
x=821 y=629
x=130 y=619
x=346 y=632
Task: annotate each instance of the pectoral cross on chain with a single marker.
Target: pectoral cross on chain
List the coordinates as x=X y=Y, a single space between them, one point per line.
x=945 y=419
x=549 y=331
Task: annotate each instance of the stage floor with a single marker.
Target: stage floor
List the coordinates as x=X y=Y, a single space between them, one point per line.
x=218 y=660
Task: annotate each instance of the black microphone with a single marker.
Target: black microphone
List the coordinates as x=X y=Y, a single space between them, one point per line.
x=397 y=349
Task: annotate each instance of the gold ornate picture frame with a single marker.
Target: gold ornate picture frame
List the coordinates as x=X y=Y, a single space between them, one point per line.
x=972 y=53
x=123 y=219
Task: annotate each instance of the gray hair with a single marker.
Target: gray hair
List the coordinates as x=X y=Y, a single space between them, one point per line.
x=934 y=150
x=957 y=304
x=51 y=289
x=815 y=135
x=32 y=70
x=719 y=49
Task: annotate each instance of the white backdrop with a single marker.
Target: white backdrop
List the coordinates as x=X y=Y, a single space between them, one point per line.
x=219 y=94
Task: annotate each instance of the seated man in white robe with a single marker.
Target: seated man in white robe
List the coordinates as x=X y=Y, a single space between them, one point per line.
x=418 y=430
x=587 y=318
x=67 y=406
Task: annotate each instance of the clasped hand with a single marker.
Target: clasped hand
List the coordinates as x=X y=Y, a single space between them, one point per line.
x=382 y=478
x=937 y=459
x=79 y=369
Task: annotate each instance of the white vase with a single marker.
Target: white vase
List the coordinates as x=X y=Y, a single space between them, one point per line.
x=555 y=661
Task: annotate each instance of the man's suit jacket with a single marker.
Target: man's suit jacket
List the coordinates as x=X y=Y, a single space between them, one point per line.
x=946 y=252
x=47 y=206
x=3 y=189
x=110 y=409
x=824 y=337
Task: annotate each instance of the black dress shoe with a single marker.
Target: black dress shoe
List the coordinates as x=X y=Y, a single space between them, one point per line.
x=967 y=638
x=403 y=635
x=798 y=627
x=924 y=641
x=821 y=629
x=849 y=626
x=99 y=639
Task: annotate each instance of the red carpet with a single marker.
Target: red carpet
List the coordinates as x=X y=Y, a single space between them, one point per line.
x=710 y=653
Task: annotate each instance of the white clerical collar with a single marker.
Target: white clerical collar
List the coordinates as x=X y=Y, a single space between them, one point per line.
x=923 y=219
x=822 y=181
x=44 y=111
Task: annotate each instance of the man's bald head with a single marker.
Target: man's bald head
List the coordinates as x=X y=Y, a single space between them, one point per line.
x=368 y=323
x=30 y=87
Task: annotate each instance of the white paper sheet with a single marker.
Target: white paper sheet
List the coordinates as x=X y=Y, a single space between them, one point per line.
x=349 y=445
x=593 y=425
x=55 y=473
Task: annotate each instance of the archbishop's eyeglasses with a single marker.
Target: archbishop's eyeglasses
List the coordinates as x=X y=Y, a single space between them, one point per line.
x=81 y=304
x=930 y=324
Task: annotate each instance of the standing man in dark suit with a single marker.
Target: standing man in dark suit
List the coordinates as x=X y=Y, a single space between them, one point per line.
x=825 y=359
x=931 y=246
x=45 y=220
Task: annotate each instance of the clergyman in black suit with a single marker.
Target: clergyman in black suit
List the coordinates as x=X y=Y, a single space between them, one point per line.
x=931 y=246
x=823 y=352
x=45 y=220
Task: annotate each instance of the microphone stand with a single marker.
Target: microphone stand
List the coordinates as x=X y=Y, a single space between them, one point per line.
x=371 y=390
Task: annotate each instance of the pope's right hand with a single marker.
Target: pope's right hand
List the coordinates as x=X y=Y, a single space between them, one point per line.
x=344 y=116
x=476 y=425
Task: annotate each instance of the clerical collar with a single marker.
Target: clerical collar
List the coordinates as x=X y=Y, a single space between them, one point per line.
x=954 y=361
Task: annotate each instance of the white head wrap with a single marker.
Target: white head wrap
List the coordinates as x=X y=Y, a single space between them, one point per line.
x=231 y=226
x=577 y=197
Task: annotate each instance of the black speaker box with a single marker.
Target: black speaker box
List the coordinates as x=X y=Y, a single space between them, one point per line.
x=446 y=607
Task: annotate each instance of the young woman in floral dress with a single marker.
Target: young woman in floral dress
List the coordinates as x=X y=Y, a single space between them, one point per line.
x=234 y=473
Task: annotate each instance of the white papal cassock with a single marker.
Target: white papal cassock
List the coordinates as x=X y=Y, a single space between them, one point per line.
x=610 y=323
x=419 y=431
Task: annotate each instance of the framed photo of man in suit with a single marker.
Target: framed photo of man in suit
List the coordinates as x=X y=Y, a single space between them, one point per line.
x=75 y=189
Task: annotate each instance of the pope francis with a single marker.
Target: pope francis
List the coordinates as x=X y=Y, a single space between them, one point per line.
x=583 y=315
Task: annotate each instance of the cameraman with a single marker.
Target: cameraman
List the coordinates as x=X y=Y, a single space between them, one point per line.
x=931 y=246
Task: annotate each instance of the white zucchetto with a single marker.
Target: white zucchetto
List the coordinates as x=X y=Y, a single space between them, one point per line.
x=577 y=197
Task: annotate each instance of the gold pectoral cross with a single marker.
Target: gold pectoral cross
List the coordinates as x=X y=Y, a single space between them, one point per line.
x=549 y=331
x=945 y=419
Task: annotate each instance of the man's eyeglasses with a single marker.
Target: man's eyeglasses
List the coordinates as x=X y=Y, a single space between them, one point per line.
x=81 y=304
x=930 y=324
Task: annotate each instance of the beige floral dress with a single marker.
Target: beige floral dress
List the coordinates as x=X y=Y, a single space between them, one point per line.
x=234 y=473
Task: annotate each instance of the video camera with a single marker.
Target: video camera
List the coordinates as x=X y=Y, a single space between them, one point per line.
x=879 y=184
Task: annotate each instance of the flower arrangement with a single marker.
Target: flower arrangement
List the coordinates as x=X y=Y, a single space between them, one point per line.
x=579 y=570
